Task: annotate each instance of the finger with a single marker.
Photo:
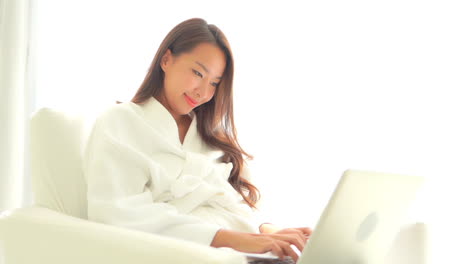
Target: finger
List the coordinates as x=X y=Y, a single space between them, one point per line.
x=295 y=239
x=298 y=231
x=305 y=230
x=304 y=237
x=288 y=251
x=299 y=242
x=277 y=250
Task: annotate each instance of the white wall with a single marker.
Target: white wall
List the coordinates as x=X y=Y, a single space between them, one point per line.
x=320 y=87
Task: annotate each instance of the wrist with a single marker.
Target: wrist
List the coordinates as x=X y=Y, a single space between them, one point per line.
x=223 y=238
x=268 y=228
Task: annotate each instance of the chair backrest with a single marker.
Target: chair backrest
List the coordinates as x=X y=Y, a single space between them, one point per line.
x=57 y=142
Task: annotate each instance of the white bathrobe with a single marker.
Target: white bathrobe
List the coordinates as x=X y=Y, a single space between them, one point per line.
x=140 y=176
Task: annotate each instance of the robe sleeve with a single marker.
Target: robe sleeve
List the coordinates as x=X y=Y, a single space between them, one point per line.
x=118 y=177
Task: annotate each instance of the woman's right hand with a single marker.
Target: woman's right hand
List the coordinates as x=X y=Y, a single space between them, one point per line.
x=278 y=244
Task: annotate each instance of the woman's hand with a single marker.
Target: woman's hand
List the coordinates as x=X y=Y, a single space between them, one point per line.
x=278 y=243
x=268 y=228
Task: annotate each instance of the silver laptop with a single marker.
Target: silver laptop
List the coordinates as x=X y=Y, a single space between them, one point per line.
x=360 y=221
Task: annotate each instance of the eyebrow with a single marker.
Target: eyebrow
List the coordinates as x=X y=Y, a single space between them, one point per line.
x=206 y=69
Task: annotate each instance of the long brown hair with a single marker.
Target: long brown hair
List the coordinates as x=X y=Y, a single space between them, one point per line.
x=215 y=118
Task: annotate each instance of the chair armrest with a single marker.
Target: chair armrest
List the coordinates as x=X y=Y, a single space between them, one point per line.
x=40 y=235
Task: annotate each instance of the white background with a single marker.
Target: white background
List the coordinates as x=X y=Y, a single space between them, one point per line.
x=320 y=87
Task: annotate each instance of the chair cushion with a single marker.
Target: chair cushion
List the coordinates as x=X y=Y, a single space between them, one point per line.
x=57 y=144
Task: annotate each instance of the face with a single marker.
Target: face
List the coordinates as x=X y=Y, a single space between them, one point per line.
x=191 y=78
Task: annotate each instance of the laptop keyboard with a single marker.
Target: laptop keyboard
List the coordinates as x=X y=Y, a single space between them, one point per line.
x=287 y=260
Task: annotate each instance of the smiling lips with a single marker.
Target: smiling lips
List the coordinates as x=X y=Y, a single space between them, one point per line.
x=190 y=101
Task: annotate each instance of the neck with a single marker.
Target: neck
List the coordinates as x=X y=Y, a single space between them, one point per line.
x=179 y=119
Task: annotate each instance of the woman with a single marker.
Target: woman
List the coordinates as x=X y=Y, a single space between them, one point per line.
x=169 y=162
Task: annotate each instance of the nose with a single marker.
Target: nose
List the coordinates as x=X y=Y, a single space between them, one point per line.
x=203 y=91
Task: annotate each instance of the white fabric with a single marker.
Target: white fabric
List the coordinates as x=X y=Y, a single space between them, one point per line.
x=40 y=235
x=58 y=138
x=75 y=241
x=140 y=176
x=14 y=101
x=57 y=142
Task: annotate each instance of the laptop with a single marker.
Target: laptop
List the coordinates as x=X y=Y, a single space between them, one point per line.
x=360 y=221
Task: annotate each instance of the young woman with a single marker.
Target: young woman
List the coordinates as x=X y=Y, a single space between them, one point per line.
x=169 y=162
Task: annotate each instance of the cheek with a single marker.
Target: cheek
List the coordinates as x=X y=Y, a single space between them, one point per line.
x=183 y=83
x=211 y=94
x=190 y=81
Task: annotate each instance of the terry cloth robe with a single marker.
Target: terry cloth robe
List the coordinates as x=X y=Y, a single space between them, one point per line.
x=140 y=176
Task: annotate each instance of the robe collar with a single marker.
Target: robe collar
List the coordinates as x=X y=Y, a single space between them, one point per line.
x=161 y=119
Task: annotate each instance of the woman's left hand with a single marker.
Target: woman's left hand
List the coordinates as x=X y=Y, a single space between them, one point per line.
x=302 y=232
x=305 y=231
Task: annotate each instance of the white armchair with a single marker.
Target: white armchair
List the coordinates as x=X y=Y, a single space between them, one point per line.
x=56 y=230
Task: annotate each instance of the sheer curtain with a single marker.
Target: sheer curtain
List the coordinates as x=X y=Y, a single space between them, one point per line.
x=319 y=88
x=16 y=102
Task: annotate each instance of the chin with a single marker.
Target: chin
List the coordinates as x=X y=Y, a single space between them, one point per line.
x=185 y=111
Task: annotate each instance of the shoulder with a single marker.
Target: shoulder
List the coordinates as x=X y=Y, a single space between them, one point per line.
x=119 y=115
x=117 y=121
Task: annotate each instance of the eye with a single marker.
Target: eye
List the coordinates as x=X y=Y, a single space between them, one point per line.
x=197 y=73
x=215 y=85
